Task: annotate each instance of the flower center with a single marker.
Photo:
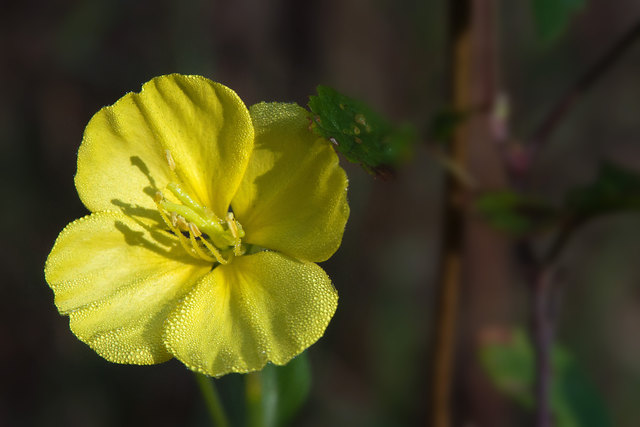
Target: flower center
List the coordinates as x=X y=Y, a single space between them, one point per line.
x=200 y=232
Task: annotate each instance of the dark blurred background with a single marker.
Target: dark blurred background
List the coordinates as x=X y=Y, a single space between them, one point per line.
x=61 y=61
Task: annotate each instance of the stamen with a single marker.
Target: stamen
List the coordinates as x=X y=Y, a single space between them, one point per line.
x=238 y=249
x=215 y=252
x=183 y=241
x=182 y=223
x=232 y=225
x=193 y=230
x=200 y=232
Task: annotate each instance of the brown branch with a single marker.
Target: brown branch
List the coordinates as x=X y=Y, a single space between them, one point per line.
x=470 y=248
x=564 y=105
x=449 y=287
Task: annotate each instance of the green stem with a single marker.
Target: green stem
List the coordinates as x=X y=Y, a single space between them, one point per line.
x=253 y=390
x=212 y=400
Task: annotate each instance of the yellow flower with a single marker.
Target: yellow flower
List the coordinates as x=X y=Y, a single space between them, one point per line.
x=207 y=220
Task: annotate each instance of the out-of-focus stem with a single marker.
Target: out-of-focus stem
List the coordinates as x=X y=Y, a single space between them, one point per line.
x=566 y=102
x=253 y=399
x=475 y=261
x=212 y=401
x=451 y=264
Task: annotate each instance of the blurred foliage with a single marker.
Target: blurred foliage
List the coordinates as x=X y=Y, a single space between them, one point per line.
x=360 y=134
x=575 y=401
x=280 y=394
x=552 y=17
x=515 y=213
x=614 y=189
x=444 y=123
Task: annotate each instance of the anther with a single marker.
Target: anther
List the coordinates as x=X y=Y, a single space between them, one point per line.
x=158 y=197
x=182 y=223
x=232 y=225
x=193 y=229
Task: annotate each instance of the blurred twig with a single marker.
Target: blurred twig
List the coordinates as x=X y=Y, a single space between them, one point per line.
x=563 y=106
x=540 y=274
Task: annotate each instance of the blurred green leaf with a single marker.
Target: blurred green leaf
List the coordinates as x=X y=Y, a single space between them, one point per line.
x=359 y=133
x=552 y=16
x=614 y=189
x=444 y=123
x=575 y=401
x=511 y=367
x=280 y=393
x=514 y=213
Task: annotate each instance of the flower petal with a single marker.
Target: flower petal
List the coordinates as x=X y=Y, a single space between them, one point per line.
x=293 y=195
x=204 y=125
x=118 y=279
x=259 y=308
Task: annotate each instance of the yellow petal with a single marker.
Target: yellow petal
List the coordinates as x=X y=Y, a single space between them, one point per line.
x=204 y=125
x=259 y=308
x=293 y=195
x=118 y=280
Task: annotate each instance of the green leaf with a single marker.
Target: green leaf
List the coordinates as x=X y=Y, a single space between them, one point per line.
x=552 y=16
x=359 y=133
x=614 y=189
x=514 y=213
x=277 y=393
x=575 y=401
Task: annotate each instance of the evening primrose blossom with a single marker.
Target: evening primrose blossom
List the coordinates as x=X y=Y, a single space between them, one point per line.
x=206 y=222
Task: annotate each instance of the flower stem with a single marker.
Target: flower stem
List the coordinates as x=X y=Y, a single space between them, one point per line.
x=212 y=400
x=253 y=390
